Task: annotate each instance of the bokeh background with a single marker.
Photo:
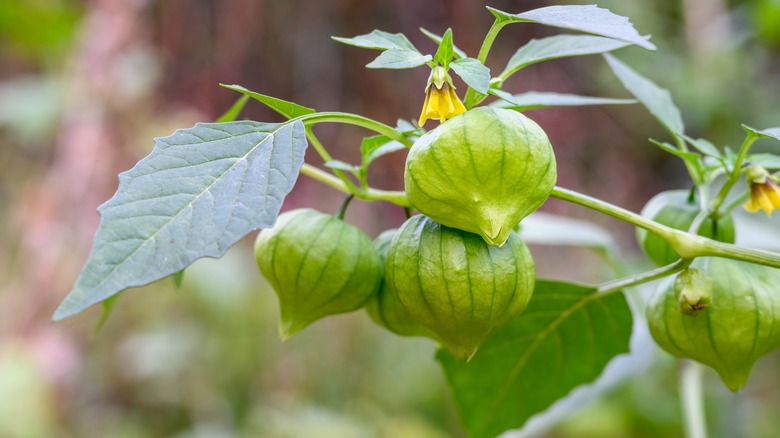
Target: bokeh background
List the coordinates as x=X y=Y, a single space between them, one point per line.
x=86 y=85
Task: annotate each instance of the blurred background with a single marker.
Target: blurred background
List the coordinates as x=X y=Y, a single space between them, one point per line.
x=86 y=85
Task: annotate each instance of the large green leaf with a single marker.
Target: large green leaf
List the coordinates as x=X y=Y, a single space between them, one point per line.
x=198 y=192
x=656 y=99
x=559 y=46
x=536 y=99
x=584 y=18
x=564 y=339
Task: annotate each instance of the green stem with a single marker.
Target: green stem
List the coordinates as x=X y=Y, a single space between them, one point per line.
x=689 y=246
x=354 y=119
x=472 y=97
x=732 y=178
x=644 y=277
x=317 y=145
x=344 y=206
x=692 y=395
x=370 y=194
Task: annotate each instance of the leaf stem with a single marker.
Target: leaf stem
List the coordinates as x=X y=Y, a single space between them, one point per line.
x=354 y=119
x=692 y=397
x=369 y=194
x=472 y=97
x=644 y=277
x=734 y=176
x=315 y=142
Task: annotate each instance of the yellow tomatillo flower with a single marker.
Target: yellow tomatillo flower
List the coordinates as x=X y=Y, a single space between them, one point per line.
x=764 y=192
x=441 y=102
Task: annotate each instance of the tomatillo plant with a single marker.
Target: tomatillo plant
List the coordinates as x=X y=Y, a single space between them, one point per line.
x=459 y=272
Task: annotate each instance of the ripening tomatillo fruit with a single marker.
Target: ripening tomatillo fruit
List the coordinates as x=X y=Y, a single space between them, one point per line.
x=318 y=265
x=481 y=171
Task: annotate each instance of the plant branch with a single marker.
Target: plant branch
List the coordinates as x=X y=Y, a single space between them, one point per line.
x=369 y=194
x=734 y=175
x=317 y=145
x=354 y=119
x=688 y=246
x=472 y=97
x=644 y=277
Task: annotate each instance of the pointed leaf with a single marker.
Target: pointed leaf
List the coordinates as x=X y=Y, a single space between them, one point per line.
x=704 y=146
x=656 y=99
x=379 y=40
x=198 y=192
x=399 y=59
x=283 y=107
x=473 y=73
x=564 y=339
x=232 y=113
x=559 y=46
x=764 y=133
x=535 y=99
x=584 y=18
x=445 y=52
x=437 y=39
x=687 y=156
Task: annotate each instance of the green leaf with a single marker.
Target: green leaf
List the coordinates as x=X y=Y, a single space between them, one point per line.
x=768 y=161
x=399 y=59
x=398 y=51
x=108 y=307
x=687 y=156
x=379 y=40
x=656 y=99
x=341 y=165
x=534 y=99
x=763 y=133
x=583 y=18
x=473 y=73
x=283 y=107
x=445 y=52
x=232 y=113
x=198 y=192
x=564 y=339
x=559 y=46
x=437 y=39
x=704 y=146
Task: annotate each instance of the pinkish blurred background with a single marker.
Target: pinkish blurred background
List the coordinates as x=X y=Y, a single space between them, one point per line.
x=86 y=85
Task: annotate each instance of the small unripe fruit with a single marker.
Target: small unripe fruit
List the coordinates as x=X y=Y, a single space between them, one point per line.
x=385 y=309
x=740 y=324
x=455 y=284
x=318 y=265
